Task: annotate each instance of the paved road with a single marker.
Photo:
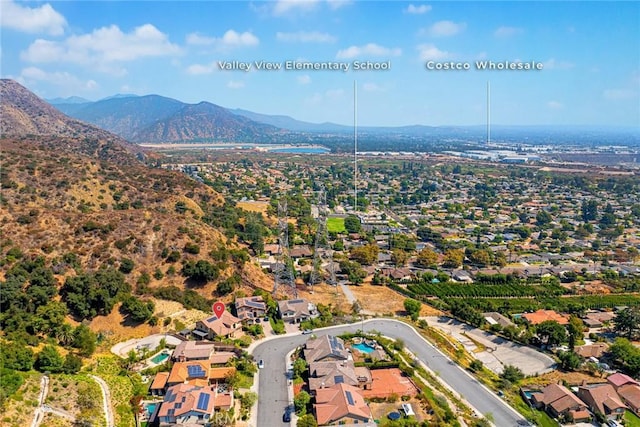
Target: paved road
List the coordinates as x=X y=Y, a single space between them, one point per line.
x=106 y=400
x=272 y=383
x=39 y=412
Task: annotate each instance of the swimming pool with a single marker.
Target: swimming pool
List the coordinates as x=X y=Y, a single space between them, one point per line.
x=159 y=358
x=150 y=407
x=362 y=347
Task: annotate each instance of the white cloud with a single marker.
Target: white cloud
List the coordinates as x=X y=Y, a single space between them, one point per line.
x=282 y=7
x=64 y=80
x=304 y=79
x=337 y=4
x=370 y=49
x=446 y=29
x=504 y=32
x=103 y=48
x=199 y=69
x=234 y=84
x=429 y=52
x=43 y=19
x=306 y=37
x=329 y=95
x=618 y=94
x=555 y=105
x=418 y=10
x=371 y=87
x=231 y=39
x=552 y=64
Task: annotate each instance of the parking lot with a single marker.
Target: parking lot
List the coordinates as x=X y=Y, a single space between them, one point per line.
x=494 y=352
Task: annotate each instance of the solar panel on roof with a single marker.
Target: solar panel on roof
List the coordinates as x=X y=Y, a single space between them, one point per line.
x=212 y=318
x=349 y=397
x=203 y=401
x=196 y=371
x=338 y=379
x=295 y=301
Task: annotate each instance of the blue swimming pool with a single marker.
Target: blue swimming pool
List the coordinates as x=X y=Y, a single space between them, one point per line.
x=150 y=407
x=364 y=348
x=159 y=358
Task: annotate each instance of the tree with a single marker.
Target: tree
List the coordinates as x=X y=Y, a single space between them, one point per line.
x=427 y=258
x=84 y=340
x=569 y=361
x=589 y=210
x=575 y=330
x=511 y=373
x=366 y=255
x=352 y=224
x=551 y=332
x=299 y=368
x=453 y=258
x=627 y=322
x=307 y=420
x=72 y=364
x=140 y=311
x=301 y=401
x=543 y=218
x=16 y=356
x=480 y=257
x=476 y=365
x=126 y=265
x=49 y=360
x=412 y=308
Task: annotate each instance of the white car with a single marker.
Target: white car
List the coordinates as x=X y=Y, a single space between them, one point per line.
x=261 y=364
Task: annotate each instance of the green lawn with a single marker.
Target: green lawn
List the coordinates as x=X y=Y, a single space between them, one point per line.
x=631 y=420
x=336 y=225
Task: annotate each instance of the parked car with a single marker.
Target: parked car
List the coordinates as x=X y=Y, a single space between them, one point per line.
x=307 y=331
x=261 y=364
x=286 y=417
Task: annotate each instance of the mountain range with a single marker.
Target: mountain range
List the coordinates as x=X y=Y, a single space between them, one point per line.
x=158 y=119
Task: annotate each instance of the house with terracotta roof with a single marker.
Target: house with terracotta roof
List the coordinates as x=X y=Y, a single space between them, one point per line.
x=159 y=384
x=193 y=350
x=197 y=370
x=342 y=404
x=560 y=402
x=250 y=308
x=227 y=326
x=540 y=316
x=325 y=348
x=297 y=310
x=189 y=404
x=618 y=380
x=603 y=399
x=630 y=395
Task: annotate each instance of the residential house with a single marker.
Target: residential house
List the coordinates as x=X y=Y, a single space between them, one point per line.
x=325 y=348
x=193 y=350
x=302 y=251
x=630 y=395
x=592 y=350
x=159 y=384
x=618 y=380
x=602 y=398
x=495 y=318
x=342 y=404
x=227 y=326
x=560 y=402
x=250 y=308
x=199 y=372
x=598 y=318
x=297 y=310
x=189 y=404
x=540 y=316
x=328 y=374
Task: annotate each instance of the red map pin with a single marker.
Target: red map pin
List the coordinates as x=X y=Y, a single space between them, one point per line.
x=218 y=309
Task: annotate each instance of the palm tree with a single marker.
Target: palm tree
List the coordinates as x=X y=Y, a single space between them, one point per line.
x=64 y=334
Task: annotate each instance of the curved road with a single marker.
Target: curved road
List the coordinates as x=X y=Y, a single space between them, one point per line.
x=106 y=400
x=273 y=394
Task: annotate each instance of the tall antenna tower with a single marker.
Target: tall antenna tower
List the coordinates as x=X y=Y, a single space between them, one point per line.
x=488 y=113
x=355 y=146
x=283 y=273
x=322 y=254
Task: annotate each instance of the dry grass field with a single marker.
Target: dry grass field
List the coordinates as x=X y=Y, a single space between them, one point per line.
x=382 y=300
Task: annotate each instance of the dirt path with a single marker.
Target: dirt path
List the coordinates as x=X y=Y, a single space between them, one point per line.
x=106 y=400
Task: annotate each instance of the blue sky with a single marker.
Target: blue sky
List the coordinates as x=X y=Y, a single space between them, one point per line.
x=590 y=53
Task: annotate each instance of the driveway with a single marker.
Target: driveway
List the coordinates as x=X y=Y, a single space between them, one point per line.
x=273 y=394
x=495 y=352
x=150 y=342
